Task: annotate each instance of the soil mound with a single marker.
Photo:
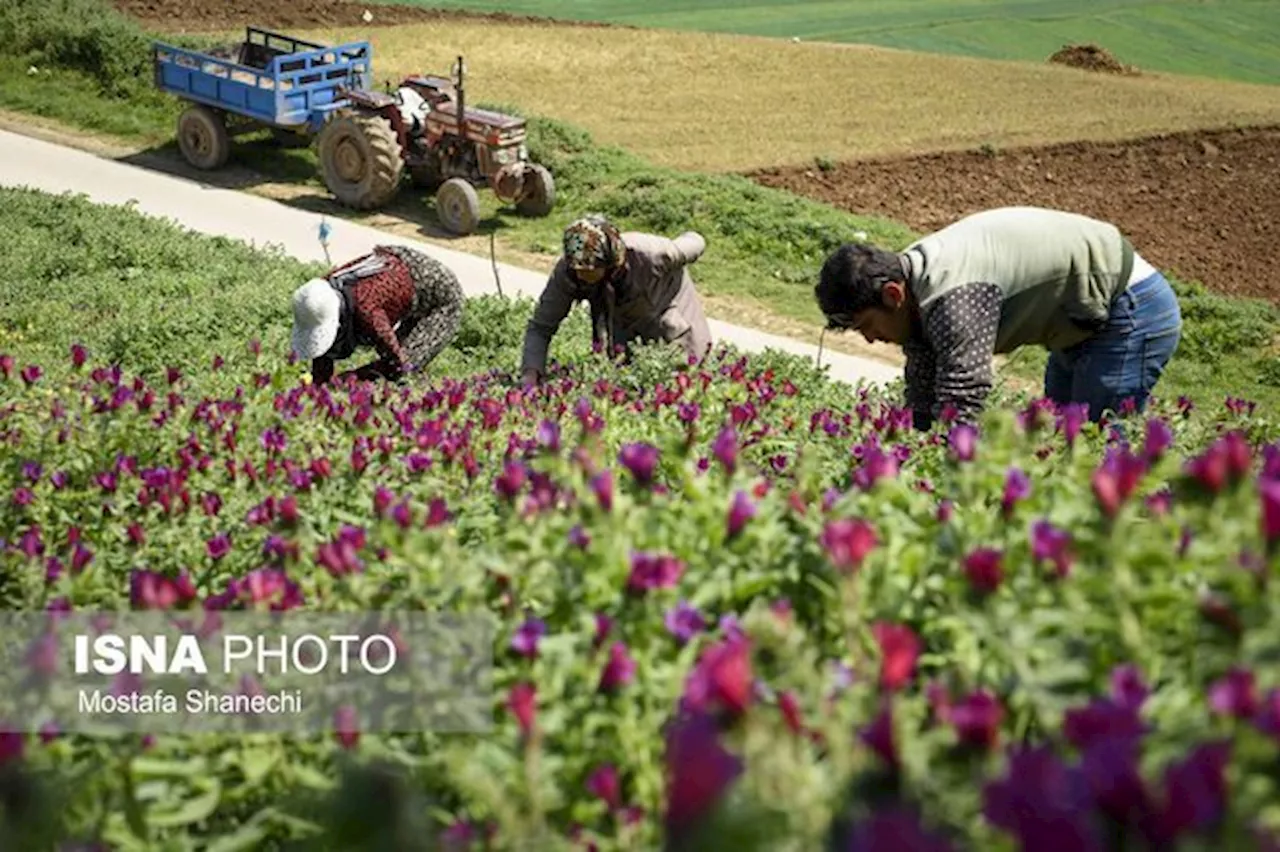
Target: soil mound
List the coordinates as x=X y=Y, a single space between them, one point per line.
x=1091 y=57
x=178 y=16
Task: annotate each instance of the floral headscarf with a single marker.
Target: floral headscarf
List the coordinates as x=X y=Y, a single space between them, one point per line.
x=593 y=241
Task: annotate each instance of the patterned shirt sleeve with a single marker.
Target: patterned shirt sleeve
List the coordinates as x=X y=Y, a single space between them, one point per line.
x=919 y=377
x=960 y=329
x=382 y=300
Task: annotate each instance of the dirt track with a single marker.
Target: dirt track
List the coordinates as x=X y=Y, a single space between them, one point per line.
x=175 y=16
x=1201 y=205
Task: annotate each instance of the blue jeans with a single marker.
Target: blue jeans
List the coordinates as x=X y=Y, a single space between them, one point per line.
x=1126 y=358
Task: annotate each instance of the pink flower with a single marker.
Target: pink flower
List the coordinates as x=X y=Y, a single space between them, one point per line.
x=1116 y=479
x=1234 y=694
x=523 y=704
x=899 y=650
x=6 y=366
x=346 y=727
x=984 y=570
x=78 y=355
x=963 y=441
x=1048 y=543
x=721 y=680
x=847 y=543
x=31 y=374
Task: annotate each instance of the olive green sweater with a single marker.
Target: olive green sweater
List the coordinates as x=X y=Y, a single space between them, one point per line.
x=1001 y=279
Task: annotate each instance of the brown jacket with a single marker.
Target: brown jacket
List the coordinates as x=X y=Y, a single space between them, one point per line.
x=657 y=301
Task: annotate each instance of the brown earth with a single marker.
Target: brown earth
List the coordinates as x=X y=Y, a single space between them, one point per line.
x=1200 y=205
x=1091 y=57
x=193 y=16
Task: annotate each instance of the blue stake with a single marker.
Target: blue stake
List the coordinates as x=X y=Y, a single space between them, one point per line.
x=324 y=239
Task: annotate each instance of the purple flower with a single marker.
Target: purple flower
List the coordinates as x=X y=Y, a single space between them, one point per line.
x=78 y=355
x=641 y=459
x=23 y=496
x=579 y=538
x=32 y=471
x=1042 y=803
x=688 y=412
x=1048 y=543
x=741 y=510
x=603 y=783
x=963 y=441
x=1159 y=438
x=510 y=481
x=976 y=719
x=725 y=449
x=525 y=640
x=699 y=772
x=847 y=542
x=1016 y=487
x=602 y=487
x=548 y=436
x=683 y=621
x=895 y=830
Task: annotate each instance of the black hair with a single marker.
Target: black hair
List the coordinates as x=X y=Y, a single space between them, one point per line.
x=852 y=279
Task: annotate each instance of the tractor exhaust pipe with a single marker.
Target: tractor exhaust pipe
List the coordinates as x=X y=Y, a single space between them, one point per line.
x=462 y=98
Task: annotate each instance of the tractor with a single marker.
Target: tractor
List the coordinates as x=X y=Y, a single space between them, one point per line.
x=425 y=129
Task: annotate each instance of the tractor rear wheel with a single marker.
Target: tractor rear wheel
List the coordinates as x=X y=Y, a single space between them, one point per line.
x=360 y=160
x=458 y=206
x=202 y=138
x=539 y=193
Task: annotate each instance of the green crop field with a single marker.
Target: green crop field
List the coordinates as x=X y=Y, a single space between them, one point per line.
x=1234 y=39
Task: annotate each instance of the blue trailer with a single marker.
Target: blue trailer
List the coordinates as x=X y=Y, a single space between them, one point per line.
x=270 y=80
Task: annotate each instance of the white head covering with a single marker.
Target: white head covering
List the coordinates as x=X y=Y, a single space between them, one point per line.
x=317 y=310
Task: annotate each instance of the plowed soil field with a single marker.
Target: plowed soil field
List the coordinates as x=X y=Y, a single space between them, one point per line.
x=1205 y=206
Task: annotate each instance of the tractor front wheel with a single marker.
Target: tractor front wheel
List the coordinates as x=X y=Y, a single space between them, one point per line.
x=458 y=206
x=360 y=160
x=202 y=138
x=539 y=195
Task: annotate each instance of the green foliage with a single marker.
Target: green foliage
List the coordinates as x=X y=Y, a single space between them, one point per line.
x=1174 y=576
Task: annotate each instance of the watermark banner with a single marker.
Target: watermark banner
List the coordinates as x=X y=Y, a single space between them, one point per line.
x=166 y=672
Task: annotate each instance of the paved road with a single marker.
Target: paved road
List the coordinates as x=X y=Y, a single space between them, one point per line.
x=25 y=161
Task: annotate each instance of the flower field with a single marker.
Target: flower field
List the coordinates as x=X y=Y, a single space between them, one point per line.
x=737 y=606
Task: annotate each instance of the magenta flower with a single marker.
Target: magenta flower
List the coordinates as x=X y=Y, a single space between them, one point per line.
x=31 y=374
x=522 y=701
x=721 y=680
x=1234 y=694
x=1042 y=803
x=1016 y=487
x=899 y=650
x=653 y=571
x=984 y=569
x=603 y=783
x=6 y=366
x=211 y=503
x=218 y=546
x=346 y=727
x=1116 y=479
x=1195 y=791
x=618 y=670
x=1127 y=687
x=1102 y=721
x=602 y=487
x=847 y=542
x=78 y=355
x=81 y=556
x=698 y=772
x=976 y=719
x=725 y=449
x=579 y=538
x=1050 y=544
x=1159 y=439
x=23 y=496
x=1269 y=496
x=603 y=625
x=741 y=510
x=683 y=621
x=525 y=640
x=880 y=738
x=510 y=481
x=963 y=441
x=641 y=459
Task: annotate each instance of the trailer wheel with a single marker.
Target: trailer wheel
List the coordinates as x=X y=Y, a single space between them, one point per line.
x=360 y=160
x=539 y=192
x=202 y=138
x=458 y=206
